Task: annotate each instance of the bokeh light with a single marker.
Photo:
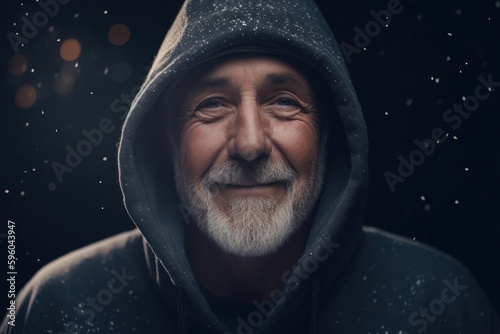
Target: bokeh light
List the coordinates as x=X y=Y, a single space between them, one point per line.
x=25 y=96
x=18 y=64
x=64 y=83
x=70 y=49
x=119 y=34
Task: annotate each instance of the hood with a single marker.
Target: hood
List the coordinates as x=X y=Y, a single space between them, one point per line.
x=201 y=31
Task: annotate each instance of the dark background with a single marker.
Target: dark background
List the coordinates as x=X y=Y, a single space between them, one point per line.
x=395 y=79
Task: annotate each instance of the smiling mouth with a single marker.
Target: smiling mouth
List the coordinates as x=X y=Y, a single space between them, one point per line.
x=252 y=184
x=252 y=188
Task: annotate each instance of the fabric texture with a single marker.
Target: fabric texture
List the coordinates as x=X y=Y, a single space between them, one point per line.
x=350 y=279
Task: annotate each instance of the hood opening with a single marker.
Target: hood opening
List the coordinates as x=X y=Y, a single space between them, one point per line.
x=206 y=30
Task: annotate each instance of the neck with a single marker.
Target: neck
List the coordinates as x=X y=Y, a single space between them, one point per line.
x=241 y=278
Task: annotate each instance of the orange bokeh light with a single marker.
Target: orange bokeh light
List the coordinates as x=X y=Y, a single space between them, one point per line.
x=18 y=64
x=70 y=49
x=119 y=34
x=25 y=96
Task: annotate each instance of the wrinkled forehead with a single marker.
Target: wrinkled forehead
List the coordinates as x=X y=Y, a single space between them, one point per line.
x=223 y=70
x=227 y=69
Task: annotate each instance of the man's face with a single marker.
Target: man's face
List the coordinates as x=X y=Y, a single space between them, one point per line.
x=247 y=152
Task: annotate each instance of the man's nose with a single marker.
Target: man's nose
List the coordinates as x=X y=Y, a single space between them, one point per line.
x=250 y=137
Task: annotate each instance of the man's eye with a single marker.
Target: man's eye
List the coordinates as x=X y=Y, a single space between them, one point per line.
x=212 y=109
x=209 y=104
x=285 y=101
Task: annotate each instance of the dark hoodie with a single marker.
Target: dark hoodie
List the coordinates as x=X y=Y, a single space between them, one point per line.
x=350 y=279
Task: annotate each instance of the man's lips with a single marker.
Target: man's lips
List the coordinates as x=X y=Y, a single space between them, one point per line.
x=250 y=184
x=252 y=188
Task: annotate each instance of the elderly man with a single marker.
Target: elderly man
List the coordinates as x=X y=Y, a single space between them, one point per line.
x=243 y=163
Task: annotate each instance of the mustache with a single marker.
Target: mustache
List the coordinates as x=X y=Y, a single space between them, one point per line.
x=240 y=172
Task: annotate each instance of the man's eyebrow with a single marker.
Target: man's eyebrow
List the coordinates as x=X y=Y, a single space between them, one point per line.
x=285 y=78
x=205 y=84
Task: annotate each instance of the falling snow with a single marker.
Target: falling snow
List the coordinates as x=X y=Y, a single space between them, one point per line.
x=41 y=122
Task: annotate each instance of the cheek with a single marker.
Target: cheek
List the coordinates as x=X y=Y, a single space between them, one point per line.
x=299 y=143
x=199 y=146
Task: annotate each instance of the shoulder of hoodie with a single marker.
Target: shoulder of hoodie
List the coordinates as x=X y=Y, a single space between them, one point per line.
x=391 y=281
x=58 y=288
x=401 y=248
x=419 y=272
x=113 y=253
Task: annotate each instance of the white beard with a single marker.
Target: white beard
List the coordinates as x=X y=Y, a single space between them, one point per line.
x=253 y=225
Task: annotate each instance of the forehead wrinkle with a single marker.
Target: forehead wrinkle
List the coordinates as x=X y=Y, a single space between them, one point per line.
x=286 y=78
x=209 y=83
x=225 y=81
